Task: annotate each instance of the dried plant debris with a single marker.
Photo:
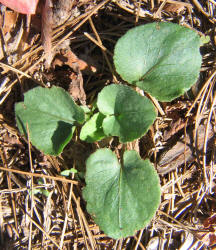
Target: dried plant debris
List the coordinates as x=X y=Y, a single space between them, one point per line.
x=184 y=150
x=35 y=199
x=62 y=11
x=47 y=24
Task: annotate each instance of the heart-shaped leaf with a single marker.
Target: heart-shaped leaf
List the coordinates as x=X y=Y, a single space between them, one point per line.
x=92 y=130
x=160 y=58
x=50 y=115
x=128 y=114
x=121 y=199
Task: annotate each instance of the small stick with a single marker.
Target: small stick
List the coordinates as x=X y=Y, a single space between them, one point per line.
x=201 y=91
x=103 y=51
x=206 y=140
x=200 y=8
x=157 y=105
x=41 y=229
x=39 y=175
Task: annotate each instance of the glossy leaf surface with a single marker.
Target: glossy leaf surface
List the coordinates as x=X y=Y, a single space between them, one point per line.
x=160 y=58
x=92 y=130
x=121 y=199
x=128 y=114
x=50 y=115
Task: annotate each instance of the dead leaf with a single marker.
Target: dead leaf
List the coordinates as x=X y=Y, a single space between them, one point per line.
x=183 y=151
x=9 y=21
x=21 y=6
x=175 y=127
x=67 y=57
x=76 y=89
x=12 y=140
x=174 y=8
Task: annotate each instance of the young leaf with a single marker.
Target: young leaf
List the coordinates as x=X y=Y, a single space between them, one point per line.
x=67 y=172
x=160 y=58
x=128 y=114
x=85 y=109
x=121 y=199
x=92 y=130
x=204 y=39
x=50 y=115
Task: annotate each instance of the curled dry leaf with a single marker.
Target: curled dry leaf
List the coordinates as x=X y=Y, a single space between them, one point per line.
x=67 y=57
x=21 y=6
x=174 y=8
x=76 y=89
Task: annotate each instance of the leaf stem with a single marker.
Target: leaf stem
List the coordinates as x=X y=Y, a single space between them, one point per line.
x=124 y=147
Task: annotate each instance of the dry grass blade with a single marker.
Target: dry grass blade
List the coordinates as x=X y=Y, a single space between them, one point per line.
x=97 y=43
x=47 y=23
x=157 y=105
x=32 y=188
x=15 y=70
x=66 y=217
x=85 y=223
x=32 y=67
x=1 y=219
x=202 y=92
x=201 y=9
x=206 y=140
x=138 y=243
x=10 y=187
x=103 y=51
x=42 y=230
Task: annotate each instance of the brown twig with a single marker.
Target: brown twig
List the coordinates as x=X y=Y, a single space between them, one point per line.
x=39 y=175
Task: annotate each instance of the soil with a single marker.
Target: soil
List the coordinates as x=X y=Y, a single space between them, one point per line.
x=70 y=44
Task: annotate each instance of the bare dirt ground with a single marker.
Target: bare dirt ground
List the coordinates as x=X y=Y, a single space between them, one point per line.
x=75 y=52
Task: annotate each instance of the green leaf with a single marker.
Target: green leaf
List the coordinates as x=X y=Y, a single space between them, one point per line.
x=121 y=199
x=128 y=114
x=50 y=115
x=92 y=130
x=85 y=109
x=160 y=58
x=45 y=192
x=67 y=172
x=87 y=112
x=205 y=39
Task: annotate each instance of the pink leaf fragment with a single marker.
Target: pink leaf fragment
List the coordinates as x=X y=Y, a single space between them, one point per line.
x=21 y=6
